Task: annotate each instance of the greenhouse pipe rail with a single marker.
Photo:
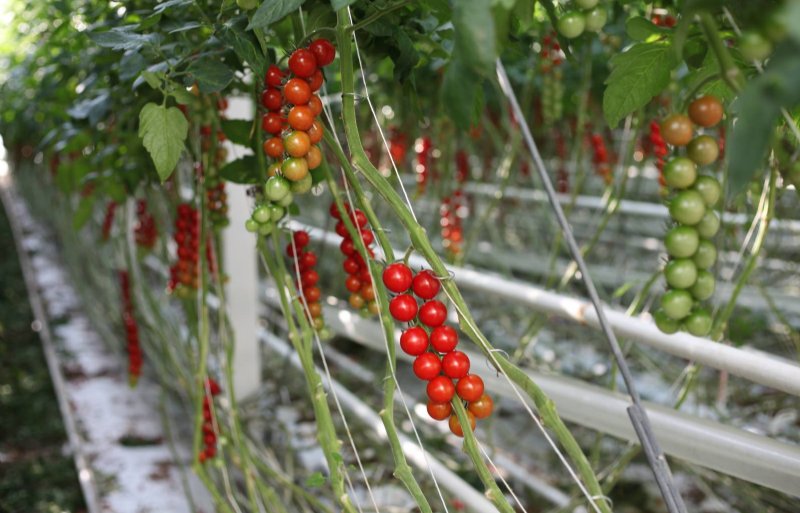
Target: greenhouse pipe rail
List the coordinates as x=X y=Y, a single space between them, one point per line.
x=732 y=451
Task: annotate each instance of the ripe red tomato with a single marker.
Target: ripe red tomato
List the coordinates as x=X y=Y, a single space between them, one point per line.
x=308 y=260
x=706 y=111
x=274 y=147
x=271 y=99
x=347 y=247
x=301 y=238
x=323 y=50
x=301 y=117
x=351 y=266
x=470 y=387
x=439 y=411
x=427 y=366
x=274 y=76
x=359 y=218
x=455 y=425
x=444 y=339
x=397 y=277
x=455 y=365
x=312 y=294
x=315 y=309
x=352 y=283
x=297 y=92
x=341 y=230
x=441 y=389
x=414 y=341
x=368 y=237
x=403 y=308
x=316 y=80
x=272 y=123
x=483 y=407
x=302 y=63
x=433 y=313
x=315 y=132
x=309 y=278
x=426 y=285
x=677 y=130
x=314 y=157
x=315 y=104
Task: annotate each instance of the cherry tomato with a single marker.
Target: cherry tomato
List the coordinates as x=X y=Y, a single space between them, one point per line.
x=455 y=365
x=706 y=255
x=368 y=292
x=681 y=241
x=302 y=63
x=308 y=260
x=698 y=323
x=276 y=188
x=334 y=210
x=709 y=188
x=677 y=304
x=341 y=229
x=352 y=283
x=483 y=407
x=294 y=169
x=261 y=214
x=681 y=273
x=373 y=307
x=274 y=76
x=704 y=285
x=356 y=301
x=316 y=80
x=312 y=294
x=595 y=19
x=427 y=366
x=470 y=387
x=444 y=339
x=323 y=50
x=347 y=247
x=315 y=104
x=368 y=237
x=274 y=147
x=441 y=389
x=703 y=150
x=315 y=132
x=455 y=425
x=439 y=411
x=754 y=46
x=403 y=308
x=708 y=225
x=275 y=167
x=314 y=157
x=414 y=341
x=351 y=266
x=296 y=91
x=272 y=123
x=315 y=309
x=687 y=207
x=297 y=144
x=301 y=238
x=665 y=323
x=433 y=313
x=571 y=24
x=309 y=278
x=397 y=277
x=271 y=99
x=680 y=172
x=676 y=130
x=300 y=117
x=426 y=285
x=706 y=111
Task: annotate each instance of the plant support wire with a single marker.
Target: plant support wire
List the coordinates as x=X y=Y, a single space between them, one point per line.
x=641 y=424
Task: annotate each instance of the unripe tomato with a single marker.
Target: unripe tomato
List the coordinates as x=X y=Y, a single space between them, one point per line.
x=303 y=185
x=706 y=111
x=441 y=389
x=676 y=130
x=397 y=277
x=709 y=188
x=297 y=144
x=302 y=63
x=275 y=167
x=323 y=50
x=681 y=273
x=706 y=255
x=754 y=46
x=356 y=301
x=276 y=188
x=251 y=225
x=704 y=286
x=261 y=214
x=677 y=304
x=315 y=309
x=247 y=4
x=286 y=200
x=315 y=132
x=439 y=411
x=368 y=292
x=665 y=323
x=414 y=341
x=266 y=228
x=403 y=308
x=427 y=366
x=698 y=323
x=314 y=157
x=294 y=169
x=444 y=339
x=455 y=425
x=571 y=24
x=703 y=150
x=708 y=225
x=273 y=147
x=426 y=285
x=433 y=313
x=483 y=407
x=455 y=365
x=687 y=207
x=297 y=91
x=596 y=19
x=470 y=387
x=680 y=172
x=276 y=212
x=681 y=241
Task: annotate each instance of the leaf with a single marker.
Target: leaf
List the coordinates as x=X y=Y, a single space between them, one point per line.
x=338 y=4
x=211 y=75
x=131 y=64
x=405 y=57
x=163 y=131
x=271 y=11
x=83 y=212
x=244 y=170
x=238 y=131
x=640 y=29
x=636 y=76
x=163 y=6
x=121 y=38
x=315 y=480
x=460 y=93
x=153 y=79
x=186 y=26
x=93 y=108
x=475 y=35
x=246 y=48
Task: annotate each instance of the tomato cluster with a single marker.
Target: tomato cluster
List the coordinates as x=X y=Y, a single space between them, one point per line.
x=423 y=148
x=600 y=158
x=144 y=231
x=433 y=344
x=454 y=209
x=586 y=15
x=217 y=201
x=688 y=241
x=131 y=330
x=663 y=19
x=108 y=219
x=306 y=260
x=659 y=149
x=562 y=174
x=184 y=273
x=209 y=451
x=552 y=80
x=398 y=146
x=358 y=281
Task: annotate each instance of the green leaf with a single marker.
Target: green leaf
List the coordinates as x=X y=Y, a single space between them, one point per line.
x=271 y=11
x=636 y=76
x=640 y=29
x=460 y=93
x=238 y=131
x=122 y=38
x=244 y=170
x=211 y=75
x=83 y=212
x=163 y=6
x=315 y=480
x=246 y=48
x=475 y=35
x=338 y=4
x=131 y=64
x=153 y=79
x=163 y=131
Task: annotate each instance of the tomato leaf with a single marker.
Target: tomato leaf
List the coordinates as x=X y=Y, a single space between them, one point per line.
x=461 y=93
x=475 y=35
x=636 y=76
x=163 y=131
x=238 y=131
x=243 y=170
x=640 y=29
x=122 y=38
x=211 y=75
x=246 y=48
x=271 y=11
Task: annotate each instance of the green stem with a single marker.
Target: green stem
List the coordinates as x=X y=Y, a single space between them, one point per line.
x=728 y=68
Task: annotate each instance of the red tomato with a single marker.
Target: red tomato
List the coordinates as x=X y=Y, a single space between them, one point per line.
x=397 y=277
x=323 y=50
x=403 y=307
x=444 y=339
x=439 y=411
x=427 y=366
x=433 y=313
x=302 y=63
x=414 y=341
x=470 y=387
x=455 y=365
x=441 y=389
x=426 y=285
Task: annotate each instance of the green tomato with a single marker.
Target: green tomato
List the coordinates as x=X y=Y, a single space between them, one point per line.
x=276 y=212
x=754 y=46
x=704 y=286
x=708 y=225
x=286 y=200
x=276 y=188
x=677 y=304
x=266 y=228
x=571 y=24
x=709 y=188
x=687 y=207
x=665 y=323
x=681 y=273
x=303 y=185
x=680 y=173
x=262 y=214
x=681 y=241
x=703 y=150
x=251 y=225
x=706 y=255
x=596 y=19
x=698 y=323
x=586 y=4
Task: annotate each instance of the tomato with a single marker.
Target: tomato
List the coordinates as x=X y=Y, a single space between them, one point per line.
x=754 y=46
x=272 y=123
x=297 y=91
x=275 y=167
x=708 y=225
x=677 y=304
x=455 y=365
x=470 y=387
x=318 y=323
x=316 y=80
x=315 y=132
x=677 y=130
x=427 y=366
x=297 y=144
x=414 y=341
x=397 y=277
x=433 y=313
x=681 y=241
x=596 y=19
x=704 y=286
x=251 y=225
x=356 y=301
x=271 y=99
x=439 y=411
x=294 y=169
x=455 y=425
x=665 y=323
x=274 y=76
x=246 y=5
x=261 y=214
x=309 y=278
x=265 y=229
x=444 y=339
x=441 y=389
x=352 y=283
x=301 y=238
x=312 y=294
x=273 y=147
x=483 y=407
x=314 y=157
x=308 y=260
x=706 y=111
x=680 y=172
x=315 y=309
x=403 y=308
x=276 y=212
x=687 y=207
x=276 y=188
x=315 y=104
x=323 y=50
x=681 y=273
x=367 y=237
x=571 y=24
x=426 y=285
x=706 y=255
x=286 y=200
x=341 y=229
x=709 y=188
x=302 y=63
x=351 y=265
x=703 y=150
x=698 y=323
x=301 y=117
x=368 y=292
x=373 y=308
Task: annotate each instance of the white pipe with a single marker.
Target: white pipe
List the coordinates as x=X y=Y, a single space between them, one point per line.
x=759 y=368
